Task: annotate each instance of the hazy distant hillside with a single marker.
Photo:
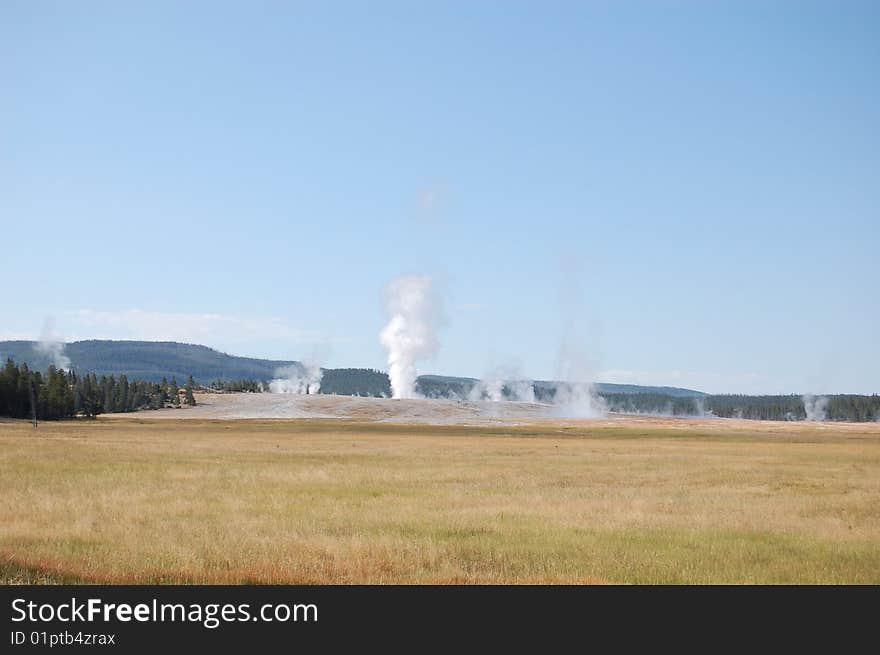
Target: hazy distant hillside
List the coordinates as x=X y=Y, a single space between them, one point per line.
x=608 y=387
x=148 y=360
x=153 y=360
x=444 y=386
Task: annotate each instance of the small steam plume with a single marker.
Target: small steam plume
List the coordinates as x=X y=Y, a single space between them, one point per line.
x=488 y=389
x=521 y=390
x=816 y=407
x=575 y=396
x=304 y=378
x=52 y=345
x=410 y=334
x=578 y=400
x=498 y=389
x=700 y=409
x=503 y=383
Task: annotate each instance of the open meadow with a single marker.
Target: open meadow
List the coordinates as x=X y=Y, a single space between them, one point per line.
x=617 y=500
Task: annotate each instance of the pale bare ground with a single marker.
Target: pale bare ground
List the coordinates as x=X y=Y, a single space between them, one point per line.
x=234 y=406
x=618 y=499
x=287 y=406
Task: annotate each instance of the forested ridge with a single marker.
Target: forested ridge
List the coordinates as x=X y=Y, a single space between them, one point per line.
x=147 y=360
x=154 y=360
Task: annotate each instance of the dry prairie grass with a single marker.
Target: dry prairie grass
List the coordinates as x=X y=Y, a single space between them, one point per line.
x=329 y=501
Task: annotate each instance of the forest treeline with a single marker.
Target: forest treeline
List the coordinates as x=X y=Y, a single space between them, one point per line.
x=58 y=394
x=244 y=385
x=841 y=407
x=355 y=382
x=368 y=382
x=337 y=381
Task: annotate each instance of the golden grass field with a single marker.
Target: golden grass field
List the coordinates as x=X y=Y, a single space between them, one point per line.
x=622 y=500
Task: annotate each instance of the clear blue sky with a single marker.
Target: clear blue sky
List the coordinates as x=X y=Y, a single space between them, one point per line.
x=689 y=190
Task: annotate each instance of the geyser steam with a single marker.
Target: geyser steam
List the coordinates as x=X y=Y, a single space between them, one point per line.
x=52 y=346
x=303 y=378
x=576 y=396
x=503 y=383
x=410 y=334
x=815 y=407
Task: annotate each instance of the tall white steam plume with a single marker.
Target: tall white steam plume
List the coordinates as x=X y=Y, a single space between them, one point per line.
x=815 y=407
x=304 y=378
x=410 y=334
x=52 y=346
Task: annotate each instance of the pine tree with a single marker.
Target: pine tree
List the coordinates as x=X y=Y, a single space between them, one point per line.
x=122 y=395
x=190 y=398
x=92 y=396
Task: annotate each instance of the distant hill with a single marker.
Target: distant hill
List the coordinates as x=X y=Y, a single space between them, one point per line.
x=148 y=360
x=445 y=385
x=153 y=360
x=608 y=387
